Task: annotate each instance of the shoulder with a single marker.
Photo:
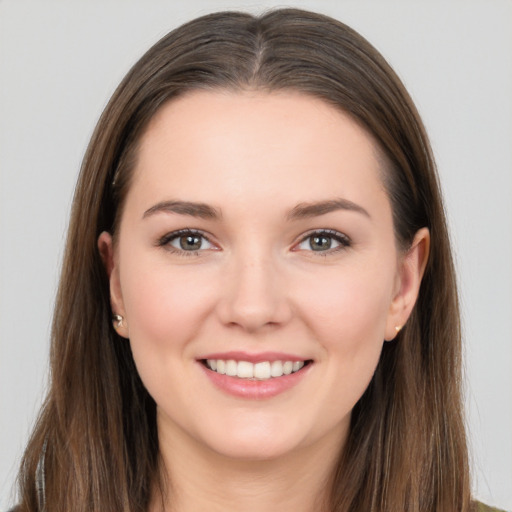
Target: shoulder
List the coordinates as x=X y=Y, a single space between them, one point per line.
x=480 y=507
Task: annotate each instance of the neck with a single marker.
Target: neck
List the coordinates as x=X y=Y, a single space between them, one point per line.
x=197 y=478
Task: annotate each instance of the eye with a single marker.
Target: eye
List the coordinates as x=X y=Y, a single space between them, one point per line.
x=325 y=241
x=185 y=241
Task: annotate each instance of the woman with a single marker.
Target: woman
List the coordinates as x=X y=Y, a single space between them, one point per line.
x=258 y=213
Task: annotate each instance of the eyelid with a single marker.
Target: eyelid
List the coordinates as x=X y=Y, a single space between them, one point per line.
x=342 y=239
x=164 y=241
x=338 y=236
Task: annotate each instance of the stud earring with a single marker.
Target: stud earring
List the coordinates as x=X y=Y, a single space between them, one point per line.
x=398 y=328
x=117 y=320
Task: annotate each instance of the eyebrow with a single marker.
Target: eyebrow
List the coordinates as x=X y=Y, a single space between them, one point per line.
x=201 y=210
x=300 y=211
x=308 y=210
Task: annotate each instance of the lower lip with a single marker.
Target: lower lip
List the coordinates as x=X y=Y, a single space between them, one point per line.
x=255 y=389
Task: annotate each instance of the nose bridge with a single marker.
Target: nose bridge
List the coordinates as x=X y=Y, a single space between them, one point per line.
x=254 y=295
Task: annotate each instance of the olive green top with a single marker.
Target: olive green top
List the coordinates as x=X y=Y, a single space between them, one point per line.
x=484 y=508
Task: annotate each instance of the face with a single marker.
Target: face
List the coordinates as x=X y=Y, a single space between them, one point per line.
x=257 y=271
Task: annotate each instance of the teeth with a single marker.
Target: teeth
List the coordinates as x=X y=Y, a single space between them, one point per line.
x=260 y=371
x=231 y=368
x=221 y=366
x=276 y=369
x=245 y=370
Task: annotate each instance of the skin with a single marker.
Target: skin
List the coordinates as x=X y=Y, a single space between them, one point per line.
x=256 y=285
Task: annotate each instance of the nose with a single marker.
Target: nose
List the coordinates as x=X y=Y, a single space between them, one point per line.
x=254 y=295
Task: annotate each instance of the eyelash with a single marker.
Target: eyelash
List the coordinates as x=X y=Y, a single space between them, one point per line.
x=343 y=240
x=166 y=240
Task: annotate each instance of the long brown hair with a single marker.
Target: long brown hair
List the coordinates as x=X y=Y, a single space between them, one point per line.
x=96 y=437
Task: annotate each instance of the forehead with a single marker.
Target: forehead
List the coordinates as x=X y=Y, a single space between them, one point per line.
x=240 y=113
x=256 y=144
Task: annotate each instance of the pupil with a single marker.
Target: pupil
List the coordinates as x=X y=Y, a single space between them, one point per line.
x=190 y=242
x=320 y=243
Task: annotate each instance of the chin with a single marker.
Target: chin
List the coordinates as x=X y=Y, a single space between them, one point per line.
x=260 y=450
x=255 y=442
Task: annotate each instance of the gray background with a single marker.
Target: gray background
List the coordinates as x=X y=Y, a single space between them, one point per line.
x=59 y=63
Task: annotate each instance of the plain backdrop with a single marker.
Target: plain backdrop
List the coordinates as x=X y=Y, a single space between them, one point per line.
x=59 y=63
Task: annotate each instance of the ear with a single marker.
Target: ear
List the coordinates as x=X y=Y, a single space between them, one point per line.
x=107 y=253
x=411 y=269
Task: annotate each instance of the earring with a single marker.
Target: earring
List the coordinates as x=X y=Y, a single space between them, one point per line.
x=398 y=328
x=117 y=320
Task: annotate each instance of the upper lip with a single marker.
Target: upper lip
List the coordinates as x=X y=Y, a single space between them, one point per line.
x=255 y=357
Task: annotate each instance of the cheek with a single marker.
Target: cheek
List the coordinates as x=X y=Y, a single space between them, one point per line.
x=351 y=329
x=164 y=305
x=349 y=307
x=165 y=308
x=348 y=318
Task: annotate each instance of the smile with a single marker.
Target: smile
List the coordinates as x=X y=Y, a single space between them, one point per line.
x=263 y=370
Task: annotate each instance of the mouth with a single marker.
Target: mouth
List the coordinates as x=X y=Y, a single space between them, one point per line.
x=260 y=371
x=255 y=376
